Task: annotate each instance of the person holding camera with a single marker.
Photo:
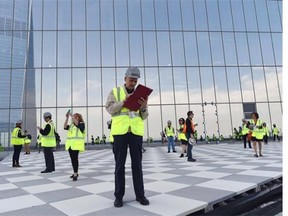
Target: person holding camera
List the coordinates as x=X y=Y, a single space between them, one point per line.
x=75 y=141
x=256 y=126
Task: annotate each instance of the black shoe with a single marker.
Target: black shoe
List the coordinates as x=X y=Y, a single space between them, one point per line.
x=261 y=155
x=255 y=155
x=168 y=152
x=14 y=165
x=73 y=175
x=191 y=160
x=18 y=165
x=118 y=203
x=75 y=178
x=46 y=171
x=174 y=151
x=182 y=155
x=143 y=201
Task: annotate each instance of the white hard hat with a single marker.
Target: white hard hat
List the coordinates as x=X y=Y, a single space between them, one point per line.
x=47 y=114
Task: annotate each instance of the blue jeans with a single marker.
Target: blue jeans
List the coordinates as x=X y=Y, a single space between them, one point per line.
x=171 y=143
x=189 y=148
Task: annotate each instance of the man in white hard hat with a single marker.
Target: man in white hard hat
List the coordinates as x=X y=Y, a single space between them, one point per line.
x=48 y=142
x=127 y=130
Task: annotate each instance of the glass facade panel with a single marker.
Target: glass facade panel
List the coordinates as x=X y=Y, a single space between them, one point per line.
x=61 y=54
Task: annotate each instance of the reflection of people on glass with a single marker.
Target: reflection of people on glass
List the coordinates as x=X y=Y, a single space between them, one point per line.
x=17 y=140
x=127 y=130
x=48 y=142
x=75 y=141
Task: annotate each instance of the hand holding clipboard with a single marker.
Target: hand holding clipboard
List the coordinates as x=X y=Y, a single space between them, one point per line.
x=132 y=101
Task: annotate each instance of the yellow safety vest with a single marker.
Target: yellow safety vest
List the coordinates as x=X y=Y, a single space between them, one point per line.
x=50 y=139
x=39 y=138
x=15 y=140
x=27 y=140
x=169 y=131
x=182 y=135
x=266 y=131
x=75 y=139
x=275 y=131
x=257 y=133
x=125 y=120
x=245 y=130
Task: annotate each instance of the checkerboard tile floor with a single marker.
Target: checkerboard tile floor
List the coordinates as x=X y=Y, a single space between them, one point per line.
x=173 y=185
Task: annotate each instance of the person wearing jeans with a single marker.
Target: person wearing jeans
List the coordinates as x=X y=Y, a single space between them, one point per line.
x=170 y=133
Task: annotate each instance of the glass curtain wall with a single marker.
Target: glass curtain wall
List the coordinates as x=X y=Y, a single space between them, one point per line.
x=202 y=55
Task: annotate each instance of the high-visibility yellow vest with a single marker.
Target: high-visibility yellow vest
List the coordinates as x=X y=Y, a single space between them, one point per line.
x=125 y=121
x=75 y=139
x=245 y=130
x=275 y=131
x=15 y=140
x=181 y=135
x=169 y=131
x=266 y=131
x=27 y=140
x=50 y=139
x=256 y=132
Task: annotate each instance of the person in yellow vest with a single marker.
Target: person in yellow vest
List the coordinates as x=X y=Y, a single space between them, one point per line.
x=27 y=142
x=48 y=142
x=182 y=136
x=245 y=131
x=275 y=133
x=127 y=130
x=266 y=133
x=17 y=140
x=75 y=141
x=257 y=133
x=170 y=134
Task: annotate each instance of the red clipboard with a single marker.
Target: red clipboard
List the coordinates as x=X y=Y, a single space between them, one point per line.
x=132 y=102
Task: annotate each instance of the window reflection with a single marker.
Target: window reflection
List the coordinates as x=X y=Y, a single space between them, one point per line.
x=238 y=15
x=187 y=15
x=277 y=45
x=120 y=10
x=220 y=84
x=92 y=14
x=213 y=15
x=166 y=86
x=136 y=48
x=93 y=48
x=64 y=88
x=246 y=84
x=164 y=51
x=217 y=48
x=274 y=16
x=262 y=16
x=161 y=15
x=177 y=48
x=180 y=85
x=48 y=88
x=64 y=14
x=207 y=84
x=49 y=49
x=190 y=47
x=276 y=116
x=224 y=118
x=254 y=47
x=150 y=49
x=259 y=84
x=154 y=127
x=79 y=49
x=49 y=15
x=122 y=49
x=107 y=48
x=174 y=15
x=152 y=81
x=225 y=15
x=64 y=49
x=108 y=77
x=194 y=85
x=237 y=116
x=250 y=16
x=134 y=14
x=233 y=84
x=94 y=87
x=148 y=18
x=203 y=46
x=266 y=48
x=229 y=49
x=242 y=49
x=106 y=8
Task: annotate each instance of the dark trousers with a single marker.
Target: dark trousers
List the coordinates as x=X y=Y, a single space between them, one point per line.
x=265 y=139
x=49 y=158
x=16 y=154
x=244 y=138
x=120 y=146
x=74 y=159
x=189 y=148
x=274 y=137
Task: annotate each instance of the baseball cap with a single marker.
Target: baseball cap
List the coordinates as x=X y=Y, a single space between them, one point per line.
x=47 y=114
x=19 y=121
x=133 y=72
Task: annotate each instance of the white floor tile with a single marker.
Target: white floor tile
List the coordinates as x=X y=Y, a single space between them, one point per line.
x=228 y=185
x=157 y=169
x=239 y=166
x=98 y=187
x=262 y=173
x=45 y=188
x=160 y=176
x=7 y=186
x=109 y=177
x=164 y=186
x=24 y=178
x=83 y=205
x=19 y=202
x=166 y=205
x=210 y=175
